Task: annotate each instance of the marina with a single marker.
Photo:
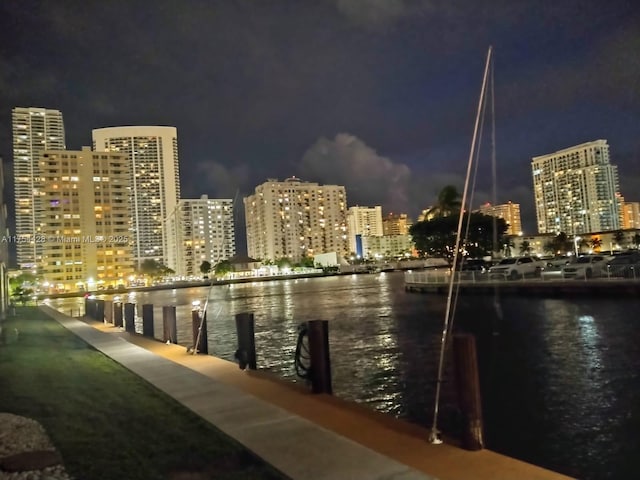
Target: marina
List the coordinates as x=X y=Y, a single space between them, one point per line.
x=559 y=377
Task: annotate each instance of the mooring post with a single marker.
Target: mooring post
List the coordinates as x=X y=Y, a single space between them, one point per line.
x=169 y=329
x=130 y=317
x=147 y=320
x=199 y=329
x=117 y=315
x=108 y=311
x=100 y=310
x=90 y=307
x=319 y=356
x=246 y=353
x=468 y=386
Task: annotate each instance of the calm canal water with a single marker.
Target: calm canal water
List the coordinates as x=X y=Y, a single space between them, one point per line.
x=560 y=378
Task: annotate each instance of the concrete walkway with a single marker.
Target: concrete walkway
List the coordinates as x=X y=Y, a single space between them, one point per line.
x=305 y=436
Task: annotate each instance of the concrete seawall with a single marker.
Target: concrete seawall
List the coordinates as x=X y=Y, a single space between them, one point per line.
x=305 y=436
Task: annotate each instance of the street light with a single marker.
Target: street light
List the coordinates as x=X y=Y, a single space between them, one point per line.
x=575 y=242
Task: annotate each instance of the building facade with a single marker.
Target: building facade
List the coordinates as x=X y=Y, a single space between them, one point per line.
x=363 y=221
x=34 y=131
x=296 y=219
x=576 y=190
x=154 y=182
x=509 y=212
x=85 y=234
x=396 y=224
x=200 y=230
x=4 y=249
x=387 y=246
x=630 y=215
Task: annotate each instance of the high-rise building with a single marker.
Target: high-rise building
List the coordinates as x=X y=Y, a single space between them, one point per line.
x=575 y=190
x=154 y=182
x=296 y=219
x=509 y=212
x=200 y=230
x=34 y=131
x=4 y=249
x=396 y=224
x=630 y=215
x=85 y=232
x=363 y=221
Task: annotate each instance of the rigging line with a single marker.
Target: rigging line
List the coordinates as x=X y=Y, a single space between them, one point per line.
x=493 y=159
x=434 y=437
x=471 y=196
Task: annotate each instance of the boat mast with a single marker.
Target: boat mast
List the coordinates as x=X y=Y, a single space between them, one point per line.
x=494 y=198
x=434 y=436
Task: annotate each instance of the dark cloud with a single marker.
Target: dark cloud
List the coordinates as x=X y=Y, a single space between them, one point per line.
x=252 y=86
x=379 y=13
x=370 y=179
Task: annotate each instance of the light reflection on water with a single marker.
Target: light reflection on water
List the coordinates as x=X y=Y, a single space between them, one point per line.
x=560 y=381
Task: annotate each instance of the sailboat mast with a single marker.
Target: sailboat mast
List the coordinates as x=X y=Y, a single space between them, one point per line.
x=494 y=198
x=434 y=436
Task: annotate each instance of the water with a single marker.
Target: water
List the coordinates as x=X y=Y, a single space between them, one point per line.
x=560 y=378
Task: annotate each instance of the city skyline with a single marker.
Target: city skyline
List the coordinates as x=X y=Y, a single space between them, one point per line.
x=376 y=96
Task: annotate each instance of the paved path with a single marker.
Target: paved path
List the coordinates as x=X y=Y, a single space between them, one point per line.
x=305 y=436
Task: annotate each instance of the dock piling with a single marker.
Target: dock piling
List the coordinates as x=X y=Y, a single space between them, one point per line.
x=246 y=353
x=320 y=359
x=468 y=387
x=169 y=329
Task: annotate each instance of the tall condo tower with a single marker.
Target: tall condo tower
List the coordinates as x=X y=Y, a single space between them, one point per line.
x=85 y=229
x=154 y=182
x=296 y=219
x=576 y=190
x=363 y=221
x=200 y=230
x=34 y=131
x=509 y=212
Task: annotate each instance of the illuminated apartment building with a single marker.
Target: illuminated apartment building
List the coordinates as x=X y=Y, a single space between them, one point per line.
x=509 y=212
x=4 y=249
x=630 y=215
x=154 y=182
x=296 y=219
x=363 y=221
x=85 y=232
x=34 y=131
x=200 y=230
x=396 y=224
x=575 y=190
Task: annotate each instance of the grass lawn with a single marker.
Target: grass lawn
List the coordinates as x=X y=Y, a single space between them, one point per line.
x=106 y=422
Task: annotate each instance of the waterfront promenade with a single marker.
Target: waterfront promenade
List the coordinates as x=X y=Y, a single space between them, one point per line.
x=303 y=435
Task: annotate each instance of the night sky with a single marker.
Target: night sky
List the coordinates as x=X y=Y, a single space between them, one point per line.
x=376 y=95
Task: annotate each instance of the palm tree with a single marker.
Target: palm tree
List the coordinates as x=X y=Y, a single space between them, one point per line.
x=596 y=243
x=525 y=248
x=618 y=237
x=448 y=202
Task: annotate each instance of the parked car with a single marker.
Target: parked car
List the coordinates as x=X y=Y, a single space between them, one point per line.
x=625 y=265
x=516 y=267
x=475 y=265
x=553 y=267
x=587 y=266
